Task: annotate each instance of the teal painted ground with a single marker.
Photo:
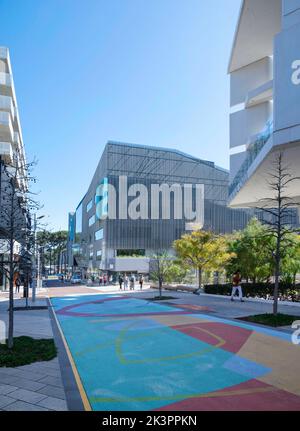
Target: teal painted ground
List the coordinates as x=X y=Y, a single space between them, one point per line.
x=139 y=364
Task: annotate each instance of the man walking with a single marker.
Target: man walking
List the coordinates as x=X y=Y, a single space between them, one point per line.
x=141 y=281
x=120 y=281
x=236 y=285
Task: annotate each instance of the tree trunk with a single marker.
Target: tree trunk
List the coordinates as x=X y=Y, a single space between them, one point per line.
x=10 y=341
x=160 y=287
x=277 y=274
x=199 y=277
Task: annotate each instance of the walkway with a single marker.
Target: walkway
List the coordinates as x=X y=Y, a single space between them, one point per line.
x=135 y=354
x=37 y=386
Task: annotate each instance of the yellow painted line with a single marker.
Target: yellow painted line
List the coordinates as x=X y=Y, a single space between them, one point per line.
x=82 y=392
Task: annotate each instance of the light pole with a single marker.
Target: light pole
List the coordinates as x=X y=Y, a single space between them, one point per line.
x=37 y=283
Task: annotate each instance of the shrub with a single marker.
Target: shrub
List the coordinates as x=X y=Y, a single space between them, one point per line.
x=258 y=290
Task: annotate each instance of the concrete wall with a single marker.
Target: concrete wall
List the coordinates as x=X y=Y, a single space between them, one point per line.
x=248 y=78
x=287 y=76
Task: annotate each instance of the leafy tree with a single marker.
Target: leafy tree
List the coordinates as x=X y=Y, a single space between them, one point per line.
x=251 y=252
x=204 y=251
x=290 y=265
x=162 y=268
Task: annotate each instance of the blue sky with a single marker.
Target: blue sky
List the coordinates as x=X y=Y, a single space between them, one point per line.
x=150 y=72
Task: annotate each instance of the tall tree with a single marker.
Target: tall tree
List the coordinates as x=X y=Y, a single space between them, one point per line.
x=278 y=205
x=15 y=206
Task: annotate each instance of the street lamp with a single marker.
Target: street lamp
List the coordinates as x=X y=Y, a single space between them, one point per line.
x=37 y=284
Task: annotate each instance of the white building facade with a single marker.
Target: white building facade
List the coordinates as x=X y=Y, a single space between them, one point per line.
x=264 y=73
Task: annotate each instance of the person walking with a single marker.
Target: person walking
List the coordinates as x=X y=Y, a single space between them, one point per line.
x=18 y=284
x=132 y=281
x=236 y=286
x=126 y=281
x=141 y=281
x=120 y=281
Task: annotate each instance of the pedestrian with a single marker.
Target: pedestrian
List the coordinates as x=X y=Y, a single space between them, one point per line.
x=141 y=281
x=236 y=285
x=104 y=279
x=120 y=281
x=18 y=284
x=132 y=281
x=126 y=281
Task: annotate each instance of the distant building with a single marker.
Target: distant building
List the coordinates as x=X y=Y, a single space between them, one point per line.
x=151 y=209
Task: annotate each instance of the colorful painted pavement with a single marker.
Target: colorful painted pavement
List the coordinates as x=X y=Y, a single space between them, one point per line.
x=133 y=354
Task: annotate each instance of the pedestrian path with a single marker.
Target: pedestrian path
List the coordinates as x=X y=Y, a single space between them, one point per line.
x=134 y=354
x=38 y=386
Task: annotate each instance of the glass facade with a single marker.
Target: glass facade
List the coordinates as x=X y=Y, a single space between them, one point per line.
x=89 y=205
x=99 y=234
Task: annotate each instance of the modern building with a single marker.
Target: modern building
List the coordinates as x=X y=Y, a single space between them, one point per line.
x=12 y=156
x=264 y=73
x=140 y=200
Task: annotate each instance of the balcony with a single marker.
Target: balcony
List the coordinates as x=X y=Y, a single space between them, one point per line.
x=6 y=152
x=6 y=104
x=253 y=151
x=6 y=128
x=6 y=84
x=4 y=55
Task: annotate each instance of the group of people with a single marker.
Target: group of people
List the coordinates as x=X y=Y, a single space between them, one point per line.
x=130 y=281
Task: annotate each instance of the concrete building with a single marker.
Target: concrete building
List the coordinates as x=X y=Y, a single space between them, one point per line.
x=152 y=208
x=264 y=98
x=12 y=156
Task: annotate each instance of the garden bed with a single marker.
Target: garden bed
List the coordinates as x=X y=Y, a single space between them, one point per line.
x=271 y=319
x=27 y=350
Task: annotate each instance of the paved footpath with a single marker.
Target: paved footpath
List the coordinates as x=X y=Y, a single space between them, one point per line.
x=37 y=386
x=145 y=350
x=180 y=354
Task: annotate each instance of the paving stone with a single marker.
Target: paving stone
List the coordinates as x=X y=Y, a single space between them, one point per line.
x=5 y=401
x=54 y=404
x=6 y=389
x=23 y=374
x=53 y=381
x=53 y=391
x=21 y=406
x=28 y=396
x=24 y=383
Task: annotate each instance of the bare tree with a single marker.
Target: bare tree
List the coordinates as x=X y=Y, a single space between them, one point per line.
x=278 y=206
x=16 y=204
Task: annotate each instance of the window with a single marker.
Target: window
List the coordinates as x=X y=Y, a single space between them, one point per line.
x=99 y=234
x=99 y=254
x=91 y=254
x=92 y=220
x=89 y=206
